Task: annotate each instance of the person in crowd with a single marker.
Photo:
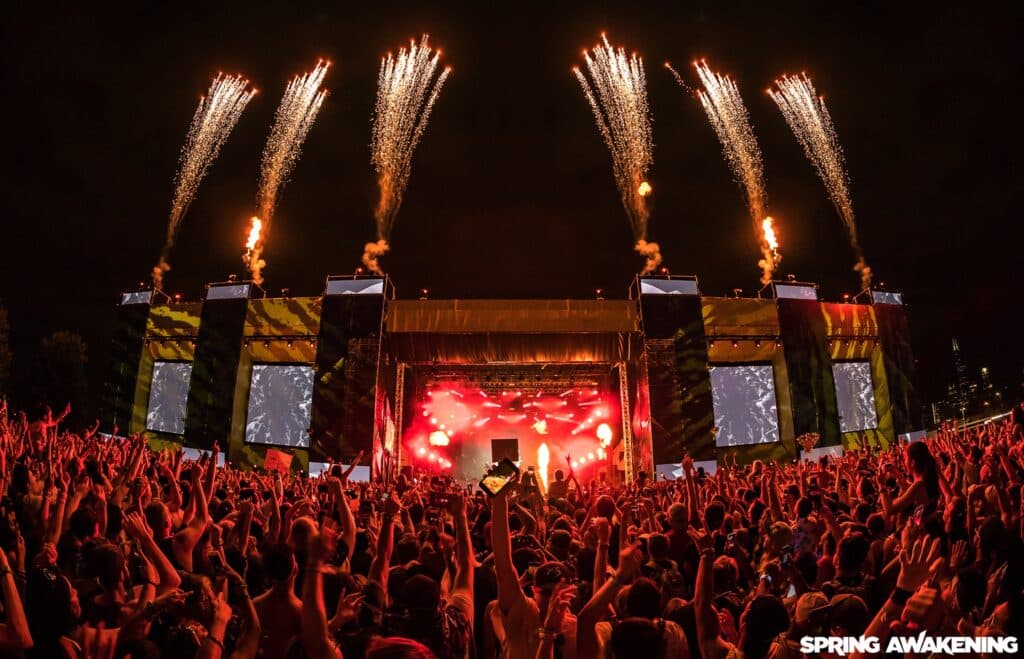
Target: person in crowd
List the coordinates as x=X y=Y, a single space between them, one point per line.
x=116 y=548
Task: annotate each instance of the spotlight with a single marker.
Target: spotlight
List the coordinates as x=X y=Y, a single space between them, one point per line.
x=735 y=343
x=285 y=292
x=757 y=343
x=599 y=293
x=177 y=297
x=846 y=298
x=424 y=294
x=266 y=344
x=737 y=292
x=791 y=278
x=711 y=343
x=590 y=456
x=421 y=451
x=438 y=438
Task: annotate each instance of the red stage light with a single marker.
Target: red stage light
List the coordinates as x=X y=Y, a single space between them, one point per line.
x=421 y=451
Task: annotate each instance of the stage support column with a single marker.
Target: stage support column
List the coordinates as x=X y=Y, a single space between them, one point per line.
x=627 y=424
x=129 y=338
x=345 y=396
x=211 y=392
x=808 y=361
x=399 y=416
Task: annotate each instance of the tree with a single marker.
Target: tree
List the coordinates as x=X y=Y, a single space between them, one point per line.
x=5 y=351
x=59 y=376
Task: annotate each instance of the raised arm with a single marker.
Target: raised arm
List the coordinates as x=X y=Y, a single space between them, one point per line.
x=136 y=527
x=462 y=589
x=385 y=543
x=597 y=607
x=708 y=631
x=510 y=593
x=315 y=635
x=14 y=633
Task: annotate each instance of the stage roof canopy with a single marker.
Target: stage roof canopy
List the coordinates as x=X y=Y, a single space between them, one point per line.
x=512 y=331
x=512 y=316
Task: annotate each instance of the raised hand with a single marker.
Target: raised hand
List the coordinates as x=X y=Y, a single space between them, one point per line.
x=561 y=599
x=915 y=563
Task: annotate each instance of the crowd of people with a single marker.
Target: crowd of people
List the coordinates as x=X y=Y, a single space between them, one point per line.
x=114 y=549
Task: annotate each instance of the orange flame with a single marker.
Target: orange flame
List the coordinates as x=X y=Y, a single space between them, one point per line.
x=645 y=189
x=769 y=233
x=254 y=233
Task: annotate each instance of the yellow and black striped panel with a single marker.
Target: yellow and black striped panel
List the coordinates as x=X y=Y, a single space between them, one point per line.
x=170 y=336
x=745 y=331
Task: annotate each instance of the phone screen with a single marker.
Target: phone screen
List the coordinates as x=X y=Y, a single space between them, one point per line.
x=498 y=477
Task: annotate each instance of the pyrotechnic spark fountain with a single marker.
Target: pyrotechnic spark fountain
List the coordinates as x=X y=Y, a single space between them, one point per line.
x=215 y=116
x=617 y=92
x=770 y=242
x=251 y=257
x=299 y=106
x=808 y=118
x=407 y=87
x=721 y=100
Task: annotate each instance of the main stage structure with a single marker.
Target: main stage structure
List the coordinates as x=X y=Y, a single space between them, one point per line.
x=620 y=385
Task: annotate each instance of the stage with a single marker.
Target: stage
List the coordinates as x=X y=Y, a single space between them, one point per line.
x=620 y=385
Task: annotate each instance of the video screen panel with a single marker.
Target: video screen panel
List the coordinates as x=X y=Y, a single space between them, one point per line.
x=855 y=395
x=744 y=400
x=168 y=394
x=280 y=402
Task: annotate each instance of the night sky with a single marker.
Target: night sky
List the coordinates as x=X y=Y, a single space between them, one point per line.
x=511 y=192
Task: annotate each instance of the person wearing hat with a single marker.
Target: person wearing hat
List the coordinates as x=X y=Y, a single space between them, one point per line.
x=810 y=618
x=521 y=615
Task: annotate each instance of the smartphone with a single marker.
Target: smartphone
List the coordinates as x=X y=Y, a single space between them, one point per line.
x=439 y=499
x=919 y=515
x=786 y=559
x=499 y=476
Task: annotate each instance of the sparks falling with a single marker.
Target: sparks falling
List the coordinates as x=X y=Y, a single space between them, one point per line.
x=721 y=100
x=407 y=87
x=617 y=92
x=302 y=100
x=214 y=118
x=808 y=118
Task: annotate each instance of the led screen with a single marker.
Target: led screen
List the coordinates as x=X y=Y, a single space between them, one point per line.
x=280 y=400
x=168 y=393
x=855 y=395
x=744 y=402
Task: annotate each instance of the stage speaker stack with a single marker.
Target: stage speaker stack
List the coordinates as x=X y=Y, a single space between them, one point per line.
x=345 y=382
x=505 y=448
x=128 y=342
x=808 y=362
x=211 y=393
x=894 y=340
x=682 y=412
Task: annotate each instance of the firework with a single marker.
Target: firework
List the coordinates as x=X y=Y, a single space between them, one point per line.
x=299 y=106
x=616 y=89
x=721 y=100
x=407 y=87
x=216 y=115
x=808 y=118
